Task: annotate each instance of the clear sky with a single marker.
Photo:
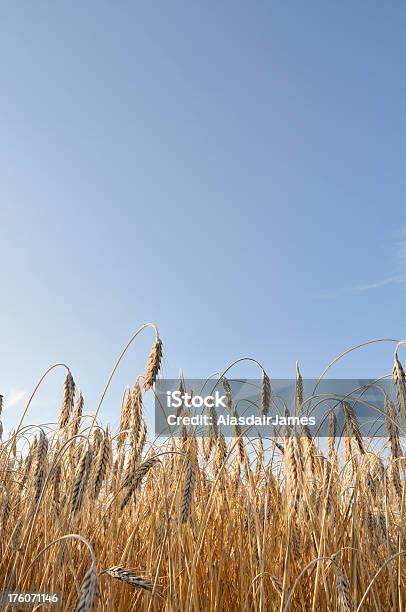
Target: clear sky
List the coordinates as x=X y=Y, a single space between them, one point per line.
x=233 y=171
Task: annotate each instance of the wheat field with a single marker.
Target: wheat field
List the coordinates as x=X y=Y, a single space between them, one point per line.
x=118 y=521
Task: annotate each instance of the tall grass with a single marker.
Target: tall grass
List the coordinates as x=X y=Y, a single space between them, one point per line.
x=113 y=521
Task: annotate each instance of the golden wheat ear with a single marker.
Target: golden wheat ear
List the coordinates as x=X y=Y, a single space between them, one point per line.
x=67 y=402
x=265 y=393
x=344 y=602
x=188 y=488
x=154 y=365
x=79 y=486
x=130 y=577
x=103 y=463
x=299 y=388
x=77 y=415
x=39 y=475
x=89 y=591
x=400 y=385
x=353 y=426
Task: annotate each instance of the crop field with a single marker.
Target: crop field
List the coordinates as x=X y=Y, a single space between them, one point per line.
x=121 y=521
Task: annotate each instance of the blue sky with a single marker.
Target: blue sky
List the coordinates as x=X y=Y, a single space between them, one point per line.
x=232 y=171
